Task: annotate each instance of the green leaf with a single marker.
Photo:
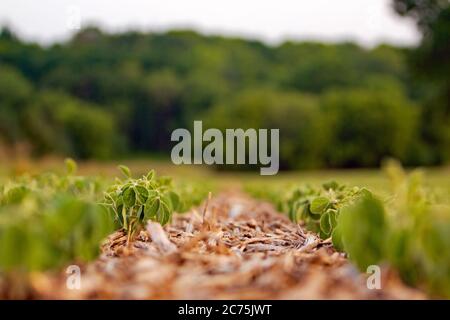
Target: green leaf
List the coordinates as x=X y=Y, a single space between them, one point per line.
x=319 y=204
x=125 y=171
x=363 y=228
x=71 y=166
x=151 y=207
x=16 y=195
x=140 y=213
x=297 y=208
x=141 y=194
x=175 y=199
x=152 y=194
x=151 y=175
x=291 y=213
x=312 y=215
x=333 y=185
x=129 y=197
x=165 y=198
x=163 y=214
x=325 y=225
x=336 y=238
x=167 y=215
x=333 y=217
x=304 y=213
x=365 y=193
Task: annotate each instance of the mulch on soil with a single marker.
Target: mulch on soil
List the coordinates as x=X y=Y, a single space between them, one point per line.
x=233 y=247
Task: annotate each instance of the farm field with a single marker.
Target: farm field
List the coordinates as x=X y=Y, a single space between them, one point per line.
x=436 y=177
x=169 y=150
x=239 y=249
x=223 y=235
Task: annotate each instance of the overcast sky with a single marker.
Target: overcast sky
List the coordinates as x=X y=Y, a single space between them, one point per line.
x=368 y=22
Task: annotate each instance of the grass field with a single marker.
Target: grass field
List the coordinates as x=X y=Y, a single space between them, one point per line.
x=436 y=178
x=402 y=219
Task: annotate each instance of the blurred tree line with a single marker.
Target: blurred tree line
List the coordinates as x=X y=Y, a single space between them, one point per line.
x=102 y=95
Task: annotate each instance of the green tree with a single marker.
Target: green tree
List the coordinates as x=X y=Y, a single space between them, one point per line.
x=15 y=90
x=430 y=63
x=368 y=125
x=57 y=123
x=304 y=132
x=157 y=112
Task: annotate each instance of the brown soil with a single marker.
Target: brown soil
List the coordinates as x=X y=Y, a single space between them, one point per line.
x=238 y=248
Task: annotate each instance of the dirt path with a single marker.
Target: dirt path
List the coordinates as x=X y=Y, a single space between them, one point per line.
x=239 y=248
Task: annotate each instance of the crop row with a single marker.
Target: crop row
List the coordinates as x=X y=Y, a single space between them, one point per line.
x=409 y=230
x=50 y=220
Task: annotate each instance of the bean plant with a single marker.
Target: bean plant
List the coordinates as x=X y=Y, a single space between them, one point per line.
x=319 y=208
x=49 y=220
x=409 y=230
x=134 y=201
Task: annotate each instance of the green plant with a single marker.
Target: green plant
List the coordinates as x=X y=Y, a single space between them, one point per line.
x=410 y=231
x=134 y=201
x=418 y=242
x=320 y=208
x=49 y=220
x=362 y=230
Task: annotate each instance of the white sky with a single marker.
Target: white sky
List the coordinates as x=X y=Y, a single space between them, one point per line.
x=368 y=22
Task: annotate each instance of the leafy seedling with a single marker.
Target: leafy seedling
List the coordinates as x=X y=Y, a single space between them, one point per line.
x=134 y=201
